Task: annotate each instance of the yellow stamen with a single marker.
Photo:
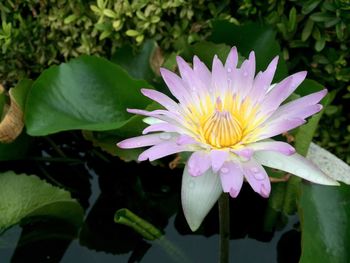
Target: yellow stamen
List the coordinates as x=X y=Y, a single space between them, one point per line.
x=222 y=129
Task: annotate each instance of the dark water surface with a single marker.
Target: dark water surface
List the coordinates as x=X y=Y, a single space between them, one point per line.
x=105 y=185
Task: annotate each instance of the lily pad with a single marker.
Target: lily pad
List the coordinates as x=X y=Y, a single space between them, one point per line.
x=325 y=218
x=23 y=197
x=88 y=93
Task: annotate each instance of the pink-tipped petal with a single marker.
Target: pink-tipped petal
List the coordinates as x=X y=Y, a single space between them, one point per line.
x=161 y=98
x=247 y=72
x=175 y=85
x=219 y=77
x=276 y=128
x=198 y=196
x=245 y=153
x=280 y=92
x=198 y=163
x=145 y=140
x=257 y=177
x=294 y=164
x=202 y=72
x=161 y=150
x=164 y=127
x=231 y=176
x=232 y=60
x=271 y=145
x=164 y=115
x=305 y=101
x=218 y=157
x=263 y=81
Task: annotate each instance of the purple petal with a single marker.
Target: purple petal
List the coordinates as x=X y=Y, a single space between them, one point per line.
x=184 y=139
x=263 y=81
x=218 y=157
x=145 y=140
x=198 y=163
x=246 y=153
x=308 y=100
x=276 y=128
x=231 y=61
x=202 y=72
x=161 y=98
x=257 y=177
x=219 y=77
x=294 y=164
x=175 y=85
x=164 y=115
x=303 y=107
x=247 y=72
x=276 y=146
x=231 y=176
x=161 y=150
x=164 y=127
x=280 y=92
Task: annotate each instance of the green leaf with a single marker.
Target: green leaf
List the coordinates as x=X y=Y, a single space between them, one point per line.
x=248 y=37
x=20 y=92
x=138 y=65
x=307 y=30
x=86 y=93
x=206 y=51
x=325 y=220
x=292 y=19
x=320 y=44
x=23 y=197
x=322 y=17
x=309 y=6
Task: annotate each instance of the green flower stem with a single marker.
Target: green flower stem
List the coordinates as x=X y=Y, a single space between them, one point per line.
x=224 y=221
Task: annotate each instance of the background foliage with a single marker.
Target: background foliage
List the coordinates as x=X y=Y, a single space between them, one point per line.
x=314 y=35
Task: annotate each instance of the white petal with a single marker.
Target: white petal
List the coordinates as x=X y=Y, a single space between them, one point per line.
x=198 y=196
x=294 y=164
x=151 y=120
x=329 y=163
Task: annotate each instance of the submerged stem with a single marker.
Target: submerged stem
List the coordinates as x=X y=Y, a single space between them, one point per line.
x=224 y=224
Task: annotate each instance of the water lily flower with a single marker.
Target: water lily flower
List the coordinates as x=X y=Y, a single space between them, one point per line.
x=226 y=118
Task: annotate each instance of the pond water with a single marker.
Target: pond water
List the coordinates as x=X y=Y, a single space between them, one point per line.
x=104 y=185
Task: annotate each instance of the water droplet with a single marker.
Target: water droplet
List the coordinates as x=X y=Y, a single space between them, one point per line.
x=245 y=73
x=224 y=170
x=259 y=176
x=254 y=169
x=138 y=144
x=229 y=69
x=165 y=136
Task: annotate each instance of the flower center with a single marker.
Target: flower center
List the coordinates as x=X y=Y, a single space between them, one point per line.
x=221 y=129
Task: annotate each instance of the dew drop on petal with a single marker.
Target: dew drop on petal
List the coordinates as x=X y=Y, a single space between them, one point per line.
x=224 y=170
x=229 y=69
x=245 y=73
x=254 y=169
x=165 y=136
x=259 y=176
